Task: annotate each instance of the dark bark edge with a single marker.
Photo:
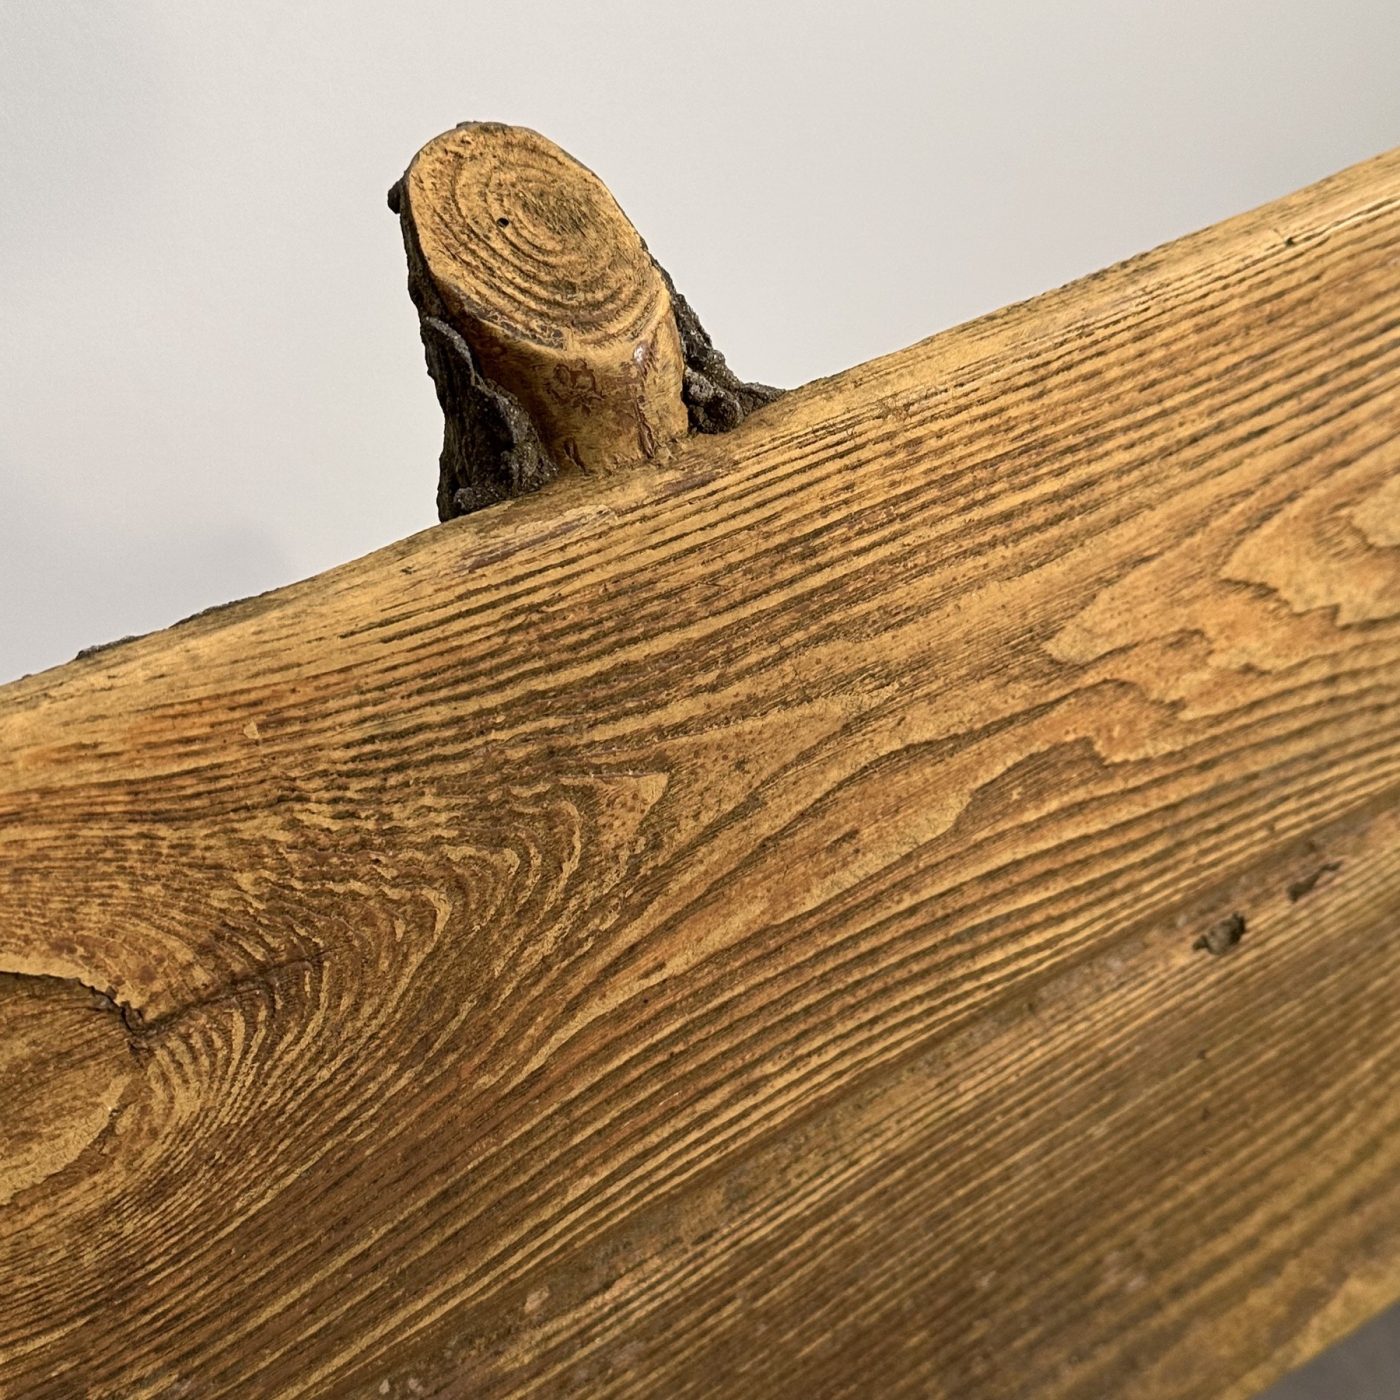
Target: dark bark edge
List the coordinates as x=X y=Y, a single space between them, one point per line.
x=491 y=450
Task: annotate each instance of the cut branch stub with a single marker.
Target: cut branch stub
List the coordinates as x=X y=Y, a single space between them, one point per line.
x=555 y=339
x=523 y=253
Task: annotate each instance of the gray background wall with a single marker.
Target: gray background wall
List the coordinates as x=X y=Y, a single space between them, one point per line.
x=211 y=377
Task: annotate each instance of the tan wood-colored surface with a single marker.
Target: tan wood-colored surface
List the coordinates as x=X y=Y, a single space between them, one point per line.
x=553 y=289
x=900 y=898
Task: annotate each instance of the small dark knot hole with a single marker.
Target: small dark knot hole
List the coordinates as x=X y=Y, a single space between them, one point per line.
x=504 y=223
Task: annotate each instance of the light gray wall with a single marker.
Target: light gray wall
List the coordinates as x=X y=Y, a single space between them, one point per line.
x=211 y=377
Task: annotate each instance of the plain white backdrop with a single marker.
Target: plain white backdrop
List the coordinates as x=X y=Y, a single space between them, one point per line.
x=212 y=382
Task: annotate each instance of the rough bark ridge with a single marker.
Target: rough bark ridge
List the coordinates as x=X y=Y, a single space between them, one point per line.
x=716 y=399
x=492 y=448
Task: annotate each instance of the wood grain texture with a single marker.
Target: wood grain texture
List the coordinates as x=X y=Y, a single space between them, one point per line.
x=732 y=928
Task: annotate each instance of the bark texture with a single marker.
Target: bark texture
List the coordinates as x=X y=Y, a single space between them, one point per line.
x=496 y=443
